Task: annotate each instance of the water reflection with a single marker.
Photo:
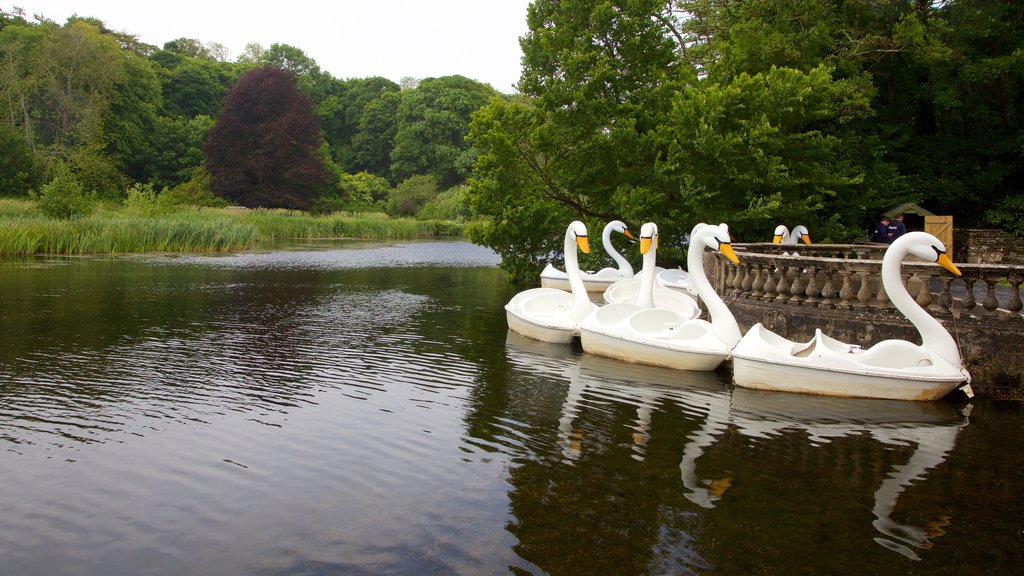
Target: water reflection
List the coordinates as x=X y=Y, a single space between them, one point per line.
x=928 y=430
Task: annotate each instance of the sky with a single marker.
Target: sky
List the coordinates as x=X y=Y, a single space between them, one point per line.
x=478 y=39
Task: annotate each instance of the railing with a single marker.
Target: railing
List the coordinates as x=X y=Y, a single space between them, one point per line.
x=848 y=276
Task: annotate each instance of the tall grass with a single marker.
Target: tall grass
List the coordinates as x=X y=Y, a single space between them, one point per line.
x=24 y=231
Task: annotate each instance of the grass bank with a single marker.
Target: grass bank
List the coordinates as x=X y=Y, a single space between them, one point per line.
x=24 y=231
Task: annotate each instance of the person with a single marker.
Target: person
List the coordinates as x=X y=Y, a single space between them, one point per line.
x=882 y=230
x=897 y=228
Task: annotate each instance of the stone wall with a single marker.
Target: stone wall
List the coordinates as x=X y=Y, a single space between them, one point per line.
x=980 y=246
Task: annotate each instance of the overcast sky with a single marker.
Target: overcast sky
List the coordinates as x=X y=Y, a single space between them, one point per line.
x=478 y=39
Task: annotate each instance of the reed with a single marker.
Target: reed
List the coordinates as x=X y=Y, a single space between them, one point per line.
x=24 y=231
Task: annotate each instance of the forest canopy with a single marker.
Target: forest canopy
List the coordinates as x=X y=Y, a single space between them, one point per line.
x=754 y=112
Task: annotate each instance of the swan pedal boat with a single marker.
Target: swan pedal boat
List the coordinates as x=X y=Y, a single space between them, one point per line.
x=550 y=314
x=599 y=281
x=648 y=335
x=891 y=369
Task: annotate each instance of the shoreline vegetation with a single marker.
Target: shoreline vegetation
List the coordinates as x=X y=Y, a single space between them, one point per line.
x=24 y=231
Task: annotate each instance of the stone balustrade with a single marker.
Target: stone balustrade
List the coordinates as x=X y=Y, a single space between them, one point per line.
x=837 y=287
x=848 y=276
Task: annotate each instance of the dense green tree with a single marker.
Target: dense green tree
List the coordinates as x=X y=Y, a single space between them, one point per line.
x=374 y=138
x=176 y=146
x=599 y=78
x=356 y=95
x=263 y=149
x=131 y=115
x=189 y=47
x=16 y=164
x=191 y=86
x=364 y=189
x=433 y=121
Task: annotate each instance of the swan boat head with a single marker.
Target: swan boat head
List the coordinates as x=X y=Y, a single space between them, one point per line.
x=799 y=234
x=781 y=235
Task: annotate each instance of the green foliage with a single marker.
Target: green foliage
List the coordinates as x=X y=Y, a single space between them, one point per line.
x=433 y=121
x=197 y=191
x=452 y=204
x=1009 y=215
x=411 y=194
x=64 y=197
x=97 y=172
x=16 y=163
x=364 y=192
x=176 y=149
x=764 y=149
x=141 y=199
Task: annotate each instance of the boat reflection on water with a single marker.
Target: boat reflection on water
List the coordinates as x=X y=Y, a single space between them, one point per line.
x=928 y=429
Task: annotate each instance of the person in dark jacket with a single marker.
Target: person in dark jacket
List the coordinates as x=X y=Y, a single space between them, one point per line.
x=897 y=228
x=882 y=230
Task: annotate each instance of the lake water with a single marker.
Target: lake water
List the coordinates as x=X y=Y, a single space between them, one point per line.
x=360 y=408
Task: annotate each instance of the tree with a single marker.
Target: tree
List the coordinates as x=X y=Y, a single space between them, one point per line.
x=375 y=135
x=263 y=149
x=16 y=165
x=433 y=121
x=412 y=194
x=192 y=86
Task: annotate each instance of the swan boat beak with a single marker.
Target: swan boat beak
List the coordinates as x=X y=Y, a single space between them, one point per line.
x=806 y=239
x=777 y=239
x=727 y=250
x=646 y=242
x=946 y=263
x=583 y=243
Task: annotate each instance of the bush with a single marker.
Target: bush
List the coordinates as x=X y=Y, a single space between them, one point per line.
x=64 y=196
x=452 y=204
x=196 y=192
x=411 y=195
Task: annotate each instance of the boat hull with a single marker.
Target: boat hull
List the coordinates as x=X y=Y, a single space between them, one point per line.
x=766 y=375
x=592 y=285
x=650 y=352
x=538 y=331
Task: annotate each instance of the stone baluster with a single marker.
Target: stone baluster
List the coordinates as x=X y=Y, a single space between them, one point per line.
x=796 y=288
x=881 y=299
x=846 y=292
x=1015 y=304
x=990 y=303
x=828 y=290
x=812 y=292
x=968 y=302
x=864 y=293
x=924 y=295
x=737 y=281
x=758 y=285
x=782 y=288
x=946 y=298
x=726 y=275
x=748 y=278
x=769 y=283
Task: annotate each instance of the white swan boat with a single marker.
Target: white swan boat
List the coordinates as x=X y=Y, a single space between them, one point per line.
x=664 y=338
x=892 y=369
x=552 y=277
x=799 y=234
x=643 y=289
x=550 y=314
x=677 y=278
